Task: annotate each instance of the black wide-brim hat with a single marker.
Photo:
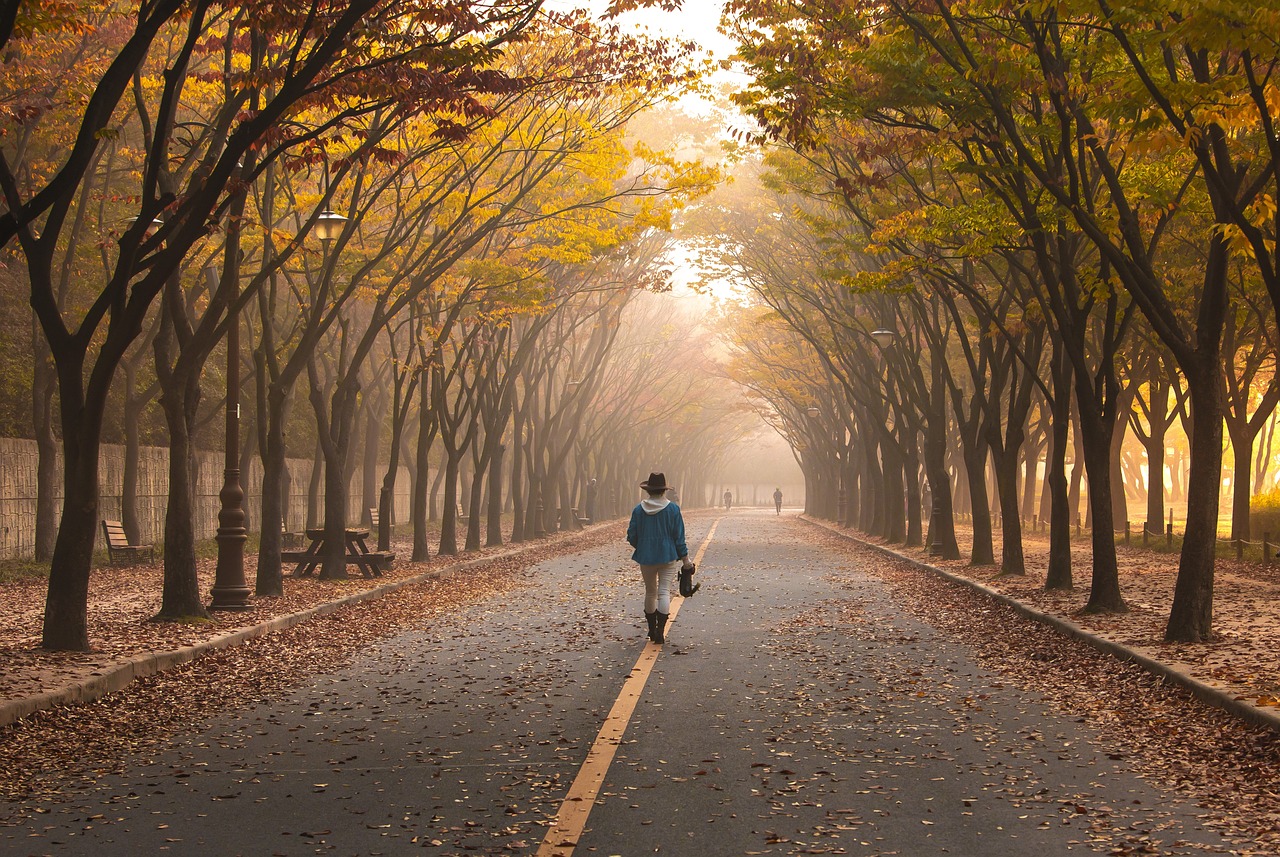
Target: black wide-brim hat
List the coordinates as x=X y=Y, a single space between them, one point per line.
x=655 y=483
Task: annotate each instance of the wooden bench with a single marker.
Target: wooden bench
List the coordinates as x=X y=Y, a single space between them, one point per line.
x=119 y=551
x=463 y=517
x=373 y=519
x=574 y=512
x=371 y=564
x=290 y=540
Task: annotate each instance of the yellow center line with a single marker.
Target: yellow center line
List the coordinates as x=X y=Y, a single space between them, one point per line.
x=571 y=820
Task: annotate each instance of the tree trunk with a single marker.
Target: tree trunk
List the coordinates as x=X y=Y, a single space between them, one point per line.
x=336 y=488
x=387 y=502
x=810 y=480
x=1030 y=480
x=475 y=502
x=1077 y=476
x=1059 y=575
x=494 y=516
x=852 y=481
x=975 y=464
x=1191 y=617
x=179 y=400
x=181 y=598
x=1012 y=560
x=132 y=453
x=65 y=625
x=372 y=448
x=1119 y=499
x=914 y=535
x=67 y=599
x=942 y=524
x=270 y=575
x=43 y=391
x=449 y=513
x=313 y=487
x=1155 y=475
x=1104 y=590
x=420 y=501
x=517 y=480
x=1241 y=485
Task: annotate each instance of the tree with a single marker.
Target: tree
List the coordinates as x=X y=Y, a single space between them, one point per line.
x=88 y=346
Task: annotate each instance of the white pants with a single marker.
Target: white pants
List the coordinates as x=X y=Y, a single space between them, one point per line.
x=657 y=586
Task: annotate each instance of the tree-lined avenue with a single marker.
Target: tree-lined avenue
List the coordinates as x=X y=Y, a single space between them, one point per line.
x=795 y=709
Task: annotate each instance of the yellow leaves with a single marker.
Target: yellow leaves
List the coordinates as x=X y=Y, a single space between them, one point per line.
x=1235 y=239
x=1263 y=210
x=904 y=224
x=1271 y=97
x=1161 y=140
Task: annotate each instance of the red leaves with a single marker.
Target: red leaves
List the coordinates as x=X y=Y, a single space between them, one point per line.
x=618 y=7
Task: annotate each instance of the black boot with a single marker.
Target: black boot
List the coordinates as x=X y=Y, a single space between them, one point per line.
x=659 y=626
x=652 y=617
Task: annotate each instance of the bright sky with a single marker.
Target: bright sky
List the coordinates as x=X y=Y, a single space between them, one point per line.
x=697 y=21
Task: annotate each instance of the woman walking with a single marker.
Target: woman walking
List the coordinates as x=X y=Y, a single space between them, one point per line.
x=656 y=532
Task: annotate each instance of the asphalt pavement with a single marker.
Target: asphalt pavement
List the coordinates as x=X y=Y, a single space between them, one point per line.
x=794 y=710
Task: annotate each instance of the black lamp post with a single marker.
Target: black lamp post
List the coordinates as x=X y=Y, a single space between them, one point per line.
x=230 y=592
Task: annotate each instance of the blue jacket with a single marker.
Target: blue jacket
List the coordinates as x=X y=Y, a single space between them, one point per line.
x=657 y=533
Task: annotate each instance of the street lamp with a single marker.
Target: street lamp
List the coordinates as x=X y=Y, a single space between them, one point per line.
x=328 y=226
x=883 y=337
x=152 y=228
x=812 y=411
x=230 y=591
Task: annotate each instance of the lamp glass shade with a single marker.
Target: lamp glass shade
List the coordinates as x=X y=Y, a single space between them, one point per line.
x=329 y=225
x=152 y=229
x=883 y=337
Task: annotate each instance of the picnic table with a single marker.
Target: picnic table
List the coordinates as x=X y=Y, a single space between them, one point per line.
x=355 y=547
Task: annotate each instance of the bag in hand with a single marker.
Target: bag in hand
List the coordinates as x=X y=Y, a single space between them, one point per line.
x=687 y=586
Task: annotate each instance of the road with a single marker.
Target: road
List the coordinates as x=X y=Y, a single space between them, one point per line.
x=795 y=709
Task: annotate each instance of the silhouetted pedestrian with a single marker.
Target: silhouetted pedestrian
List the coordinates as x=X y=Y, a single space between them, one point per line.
x=777 y=500
x=590 y=501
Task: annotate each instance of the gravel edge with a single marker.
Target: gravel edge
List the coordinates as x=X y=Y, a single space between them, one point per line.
x=1204 y=691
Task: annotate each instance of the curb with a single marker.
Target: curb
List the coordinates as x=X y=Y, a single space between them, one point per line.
x=119 y=676
x=1202 y=690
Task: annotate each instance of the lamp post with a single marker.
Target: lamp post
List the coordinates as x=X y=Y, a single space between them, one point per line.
x=230 y=592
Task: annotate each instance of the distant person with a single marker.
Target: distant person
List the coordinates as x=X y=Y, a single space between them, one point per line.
x=656 y=532
x=590 y=501
x=777 y=500
x=728 y=500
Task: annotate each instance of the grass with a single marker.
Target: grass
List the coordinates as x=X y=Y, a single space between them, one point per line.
x=20 y=570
